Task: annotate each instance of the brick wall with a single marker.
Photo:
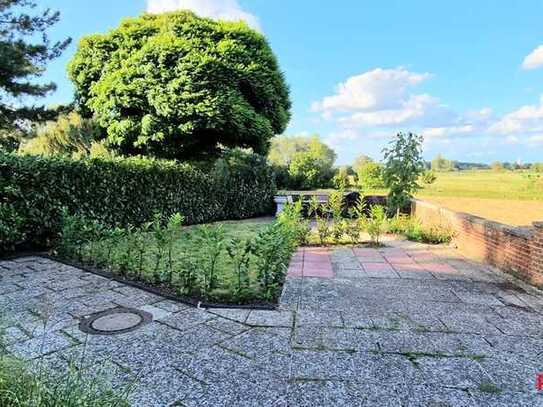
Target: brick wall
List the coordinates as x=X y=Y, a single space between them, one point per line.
x=516 y=250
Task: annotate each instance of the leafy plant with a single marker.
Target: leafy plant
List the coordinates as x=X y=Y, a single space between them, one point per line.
x=212 y=242
x=294 y=223
x=323 y=229
x=428 y=177
x=11 y=228
x=376 y=223
x=240 y=252
x=432 y=234
x=403 y=166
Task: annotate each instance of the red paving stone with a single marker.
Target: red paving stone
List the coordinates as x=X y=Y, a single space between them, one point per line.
x=377 y=268
x=399 y=259
x=440 y=268
x=318 y=272
x=362 y=252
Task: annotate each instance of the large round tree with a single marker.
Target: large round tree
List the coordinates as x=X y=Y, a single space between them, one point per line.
x=176 y=85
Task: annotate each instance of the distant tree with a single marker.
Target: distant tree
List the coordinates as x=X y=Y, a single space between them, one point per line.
x=403 y=166
x=175 y=85
x=308 y=160
x=370 y=175
x=439 y=163
x=70 y=135
x=341 y=179
x=25 y=50
x=360 y=161
x=497 y=166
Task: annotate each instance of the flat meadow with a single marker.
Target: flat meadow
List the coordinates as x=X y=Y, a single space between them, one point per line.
x=510 y=197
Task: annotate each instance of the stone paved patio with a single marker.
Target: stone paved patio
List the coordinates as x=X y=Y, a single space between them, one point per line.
x=408 y=325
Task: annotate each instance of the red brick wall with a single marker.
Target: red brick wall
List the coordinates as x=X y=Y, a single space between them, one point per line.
x=518 y=251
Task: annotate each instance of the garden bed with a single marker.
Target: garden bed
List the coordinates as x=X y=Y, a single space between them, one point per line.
x=240 y=263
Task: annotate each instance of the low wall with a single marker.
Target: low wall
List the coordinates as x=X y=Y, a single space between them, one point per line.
x=515 y=250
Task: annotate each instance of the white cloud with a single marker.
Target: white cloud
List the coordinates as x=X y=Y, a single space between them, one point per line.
x=526 y=120
x=372 y=90
x=217 y=9
x=534 y=60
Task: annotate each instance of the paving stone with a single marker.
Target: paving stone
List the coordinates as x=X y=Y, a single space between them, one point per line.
x=453 y=372
x=334 y=339
x=319 y=318
x=12 y=335
x=270 y=318
x=322 y=365
x=157 y=313
x=441 y=396
x=379 y=270
x=512 y=373
x=39 y=346
x=227 y=326
x=507 y=399
x=370 y=367
x=186 y=320
x=239 y=315
x=309 y=393
x=269 y=348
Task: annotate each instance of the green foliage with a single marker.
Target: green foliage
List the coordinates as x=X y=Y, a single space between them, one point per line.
x=307 y=160
x=370 y=175
x=341 y=179
x=292 y=218
x=375 y=224
x=360 y=161
x=537 y=167
x=403 y=167
x=70 y=135
x=233 y=263
x=23 y=386
x=439 y=163
x=25 y=50
x=416 y=231
x=428 y=177
x=174 y=85
x=129 y=191
x=11 y=228
x=432 y=234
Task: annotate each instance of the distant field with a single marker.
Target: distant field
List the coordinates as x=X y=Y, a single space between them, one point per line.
x=514 y=198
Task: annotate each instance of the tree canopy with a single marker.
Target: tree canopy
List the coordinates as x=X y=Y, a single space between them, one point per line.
x=25 y=50
x=440 y=163
x=403 y=166
x=176 y=85
x=308 y=160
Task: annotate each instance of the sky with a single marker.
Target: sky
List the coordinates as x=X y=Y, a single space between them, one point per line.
x=466 y=74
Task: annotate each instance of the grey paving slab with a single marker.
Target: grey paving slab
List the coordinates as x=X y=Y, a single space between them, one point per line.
x=465 y=338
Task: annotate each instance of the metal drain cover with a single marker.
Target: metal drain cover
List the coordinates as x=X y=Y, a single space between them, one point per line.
x=115 y=321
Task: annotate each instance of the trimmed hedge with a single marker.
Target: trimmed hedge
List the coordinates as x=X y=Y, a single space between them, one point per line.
x=34 y=191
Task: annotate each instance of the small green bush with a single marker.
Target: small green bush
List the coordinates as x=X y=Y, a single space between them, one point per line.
x=432 y=234
x=21 y=386
x=120 y=192
x=376 y=223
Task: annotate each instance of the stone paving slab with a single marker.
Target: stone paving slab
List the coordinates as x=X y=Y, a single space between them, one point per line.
x=407 y=325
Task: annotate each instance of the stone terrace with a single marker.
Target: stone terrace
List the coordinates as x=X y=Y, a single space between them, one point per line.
x=408 y=325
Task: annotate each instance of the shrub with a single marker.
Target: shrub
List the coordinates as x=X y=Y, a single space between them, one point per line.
x=403 y=166
x=432 y=234
x=127 y=192
x=175 y=85
x=20 y=385
x=370 y=175
x=376 y=223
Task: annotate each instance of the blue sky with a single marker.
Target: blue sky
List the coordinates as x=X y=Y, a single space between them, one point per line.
x=468 y=75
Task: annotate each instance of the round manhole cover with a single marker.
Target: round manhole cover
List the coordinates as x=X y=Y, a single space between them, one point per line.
x=115 y=321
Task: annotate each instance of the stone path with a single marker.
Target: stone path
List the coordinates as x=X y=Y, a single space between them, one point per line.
x=408 y=325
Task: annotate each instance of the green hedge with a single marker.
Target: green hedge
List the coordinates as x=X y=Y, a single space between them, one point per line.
x=34 y=191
